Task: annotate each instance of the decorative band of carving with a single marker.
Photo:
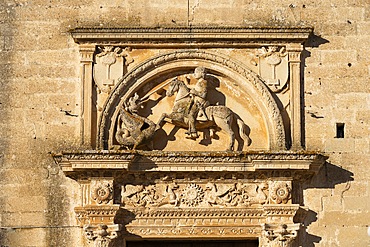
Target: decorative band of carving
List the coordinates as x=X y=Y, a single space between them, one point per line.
x=198 y=212
x=278 y=142
x=205 y=231
x=96 y=214
x=272 y=210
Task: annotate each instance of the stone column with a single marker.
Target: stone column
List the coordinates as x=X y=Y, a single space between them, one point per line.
x=86 y=60
x=294 y=59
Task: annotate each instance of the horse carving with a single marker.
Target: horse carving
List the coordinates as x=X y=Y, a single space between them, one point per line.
x=219 y=116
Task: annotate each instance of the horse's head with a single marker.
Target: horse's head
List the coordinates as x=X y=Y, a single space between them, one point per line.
x=173 y=87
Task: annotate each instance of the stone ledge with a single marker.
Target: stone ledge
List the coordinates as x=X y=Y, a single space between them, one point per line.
x=161 y=161
x=193 y=36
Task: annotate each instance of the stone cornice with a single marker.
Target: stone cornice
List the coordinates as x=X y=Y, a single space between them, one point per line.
x=191 y=36
x=141 y=161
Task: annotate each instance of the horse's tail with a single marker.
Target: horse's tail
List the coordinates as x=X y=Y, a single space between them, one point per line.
x=243 y=130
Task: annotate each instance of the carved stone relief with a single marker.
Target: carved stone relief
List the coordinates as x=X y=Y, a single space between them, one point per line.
x=194 y=195
x=102 y=193
x=200 y=195
x=273 y=66
x=102 y=235
x=165 y=118
x=110 y=65
x=145 y=198
x=113 y=62
x=278 y=236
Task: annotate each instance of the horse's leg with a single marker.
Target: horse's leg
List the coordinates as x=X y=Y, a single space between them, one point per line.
x=243 y=131
x=225 y=124
x=212 y=133
x=164 y=115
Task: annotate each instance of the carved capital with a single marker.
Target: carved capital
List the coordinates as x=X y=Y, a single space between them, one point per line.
x=294 y=57
x=87 y=53
x=278 y=235
x=102 y=235
x=294 y=52
x=94 y=214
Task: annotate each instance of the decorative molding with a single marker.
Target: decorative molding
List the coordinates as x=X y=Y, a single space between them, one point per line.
x=201 y=222
x=215 y=232
x=285 y=164
x=177 y=198
x=191 y=36
x=96 y=214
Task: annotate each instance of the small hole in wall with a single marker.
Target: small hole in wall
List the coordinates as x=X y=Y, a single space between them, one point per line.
x=349 y=64
x=340 y=130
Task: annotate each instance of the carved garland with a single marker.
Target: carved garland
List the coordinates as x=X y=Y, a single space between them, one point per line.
x=130 y=78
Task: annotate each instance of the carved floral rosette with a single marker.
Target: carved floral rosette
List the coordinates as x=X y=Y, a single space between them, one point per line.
x=102 y=192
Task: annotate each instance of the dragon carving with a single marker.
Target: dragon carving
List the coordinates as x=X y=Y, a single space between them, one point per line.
x=133 y=130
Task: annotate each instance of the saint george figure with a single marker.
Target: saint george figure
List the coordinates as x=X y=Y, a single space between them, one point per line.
x=198 y=102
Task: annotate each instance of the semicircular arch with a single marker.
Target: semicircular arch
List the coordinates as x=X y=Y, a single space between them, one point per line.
x=180 y=61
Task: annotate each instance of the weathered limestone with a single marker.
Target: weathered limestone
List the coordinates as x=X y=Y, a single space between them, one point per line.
x=42 y=108
x=169 y=195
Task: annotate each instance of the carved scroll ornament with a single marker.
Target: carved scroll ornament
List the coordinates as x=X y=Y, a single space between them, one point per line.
x=204 y=195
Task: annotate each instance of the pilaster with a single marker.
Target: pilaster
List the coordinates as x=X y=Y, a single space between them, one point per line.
x=294 y=58
x=86 y=74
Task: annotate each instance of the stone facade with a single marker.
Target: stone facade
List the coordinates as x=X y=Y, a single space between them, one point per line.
x=63 y=79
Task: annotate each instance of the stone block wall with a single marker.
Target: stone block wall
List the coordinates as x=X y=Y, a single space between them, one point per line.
x=40 y=104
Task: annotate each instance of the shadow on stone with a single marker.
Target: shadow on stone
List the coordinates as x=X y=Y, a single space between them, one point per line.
x=329 y=176
x=124 y=217
x=315 y=41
